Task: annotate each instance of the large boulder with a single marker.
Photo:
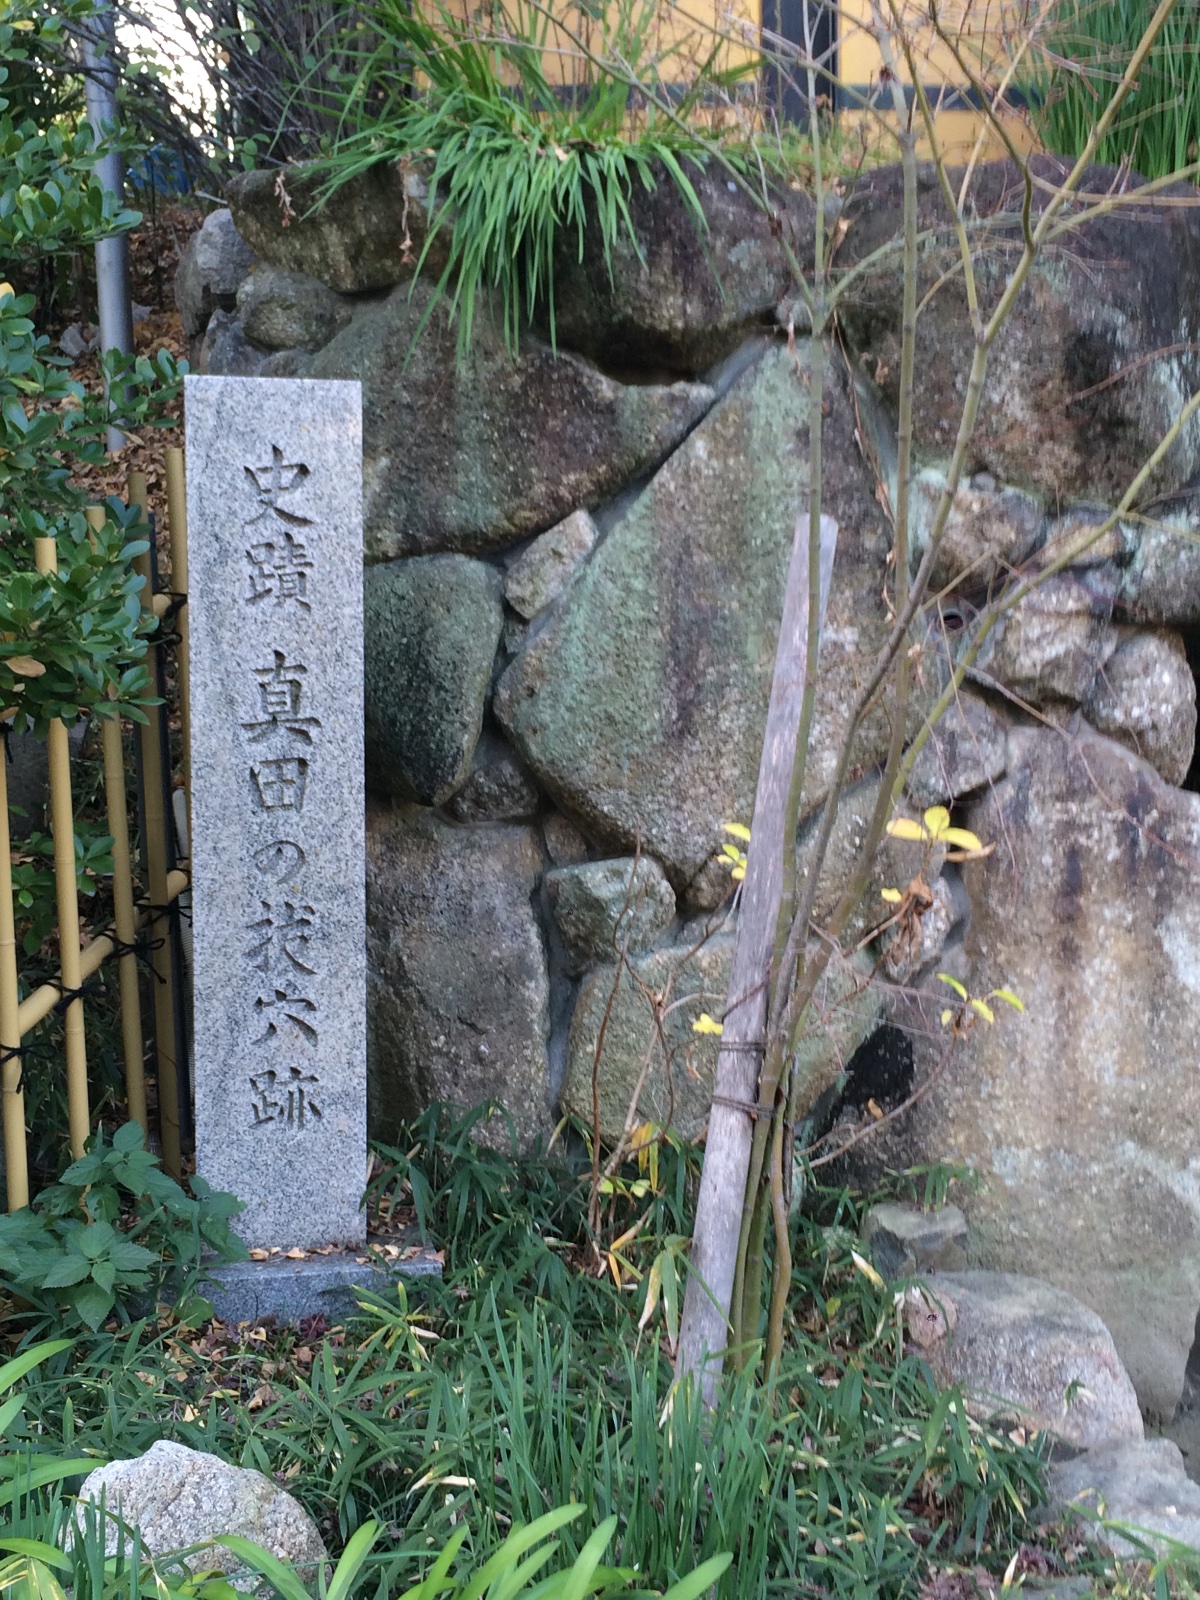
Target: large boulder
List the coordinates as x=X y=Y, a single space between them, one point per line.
x=289 y=311
x=989 y=531
x=368 y=234
x=680 y=294
x=966 y=750
x=1079 y=1117
x=458 y=990
x=541 y=573
x=1145 y=697
x=1053 y=643
x=431 y=627
x=1020 y=1347
x=1097 y=357
x=470 y=455
x=1141 y=1484
x=176 y=1497
x=1161 y=581
x=214 y=263
x=640 y=703
x=603 y=906
x=225 y=351
x=497 y=788
x=692 y=978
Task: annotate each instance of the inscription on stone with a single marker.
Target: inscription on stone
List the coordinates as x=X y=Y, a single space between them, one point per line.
x=275 y=610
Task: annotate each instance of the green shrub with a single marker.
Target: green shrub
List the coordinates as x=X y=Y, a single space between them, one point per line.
x=110 y=1231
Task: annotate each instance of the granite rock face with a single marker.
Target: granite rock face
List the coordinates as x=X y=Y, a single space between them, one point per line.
x=542 y=572
x=1161 y=582
x=1145 y=697
x=660 y=732
x=458 y=991
x=965 y=751
x=369 y=234
x=289 y=311
x=687 y=294
x=904 y=1240
x=497 y=788
x=1143 y=1484
x=1078 y=1116
x=472 y=456
x=678 y=1091
x=431 y=627
x=989 y=530
x=177 y=1497
x=1014 y=1342
x=1051 y=646
x=1117 y=288
x=225 y=351
x=628 y=900
x=211 y=269
x=897 y=862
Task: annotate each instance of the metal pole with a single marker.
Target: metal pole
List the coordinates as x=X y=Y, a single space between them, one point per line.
x=98 y=38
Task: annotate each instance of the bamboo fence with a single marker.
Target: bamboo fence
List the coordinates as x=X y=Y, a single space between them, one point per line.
x=144 y=937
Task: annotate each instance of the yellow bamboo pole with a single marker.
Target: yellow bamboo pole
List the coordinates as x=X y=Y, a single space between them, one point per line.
x=156 y=873
x=62 y=826
x=16 y=1159
x=37 y=1006
x=177 y=525
x=132 y=1039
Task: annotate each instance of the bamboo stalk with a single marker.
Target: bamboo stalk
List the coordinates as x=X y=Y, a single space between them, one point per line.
x=16 y=1159
x=38 y=1005
x=132 y=1039
x=62 y=826
x=155 y=823
x=177 y=527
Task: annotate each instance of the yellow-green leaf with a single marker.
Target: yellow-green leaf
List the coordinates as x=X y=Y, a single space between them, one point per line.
x=906 y=828
x=867 y=1270
x=738 y=873
x=984 y=1010
x=706 y=1024
x=739 y=830
x=1008 y=997
x=732 y=851
x=963 y=838
x=937 y=820
x=892 y=896
x=947 y=1017
x=959 y=989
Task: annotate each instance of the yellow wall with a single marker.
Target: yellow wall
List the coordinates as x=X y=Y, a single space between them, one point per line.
x=682 y=36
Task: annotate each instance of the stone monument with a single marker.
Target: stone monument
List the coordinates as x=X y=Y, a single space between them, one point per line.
x=274 y=469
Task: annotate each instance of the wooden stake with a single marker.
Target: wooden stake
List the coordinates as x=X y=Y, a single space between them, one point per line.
x=704 y=1329
x=62 y=825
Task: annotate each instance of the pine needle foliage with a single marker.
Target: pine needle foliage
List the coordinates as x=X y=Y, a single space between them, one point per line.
x=1086 y=47
x=515 y=160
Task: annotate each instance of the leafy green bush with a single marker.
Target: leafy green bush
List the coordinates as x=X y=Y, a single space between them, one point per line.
x=33 y=879
x=1087 y=44
x=112 y=1229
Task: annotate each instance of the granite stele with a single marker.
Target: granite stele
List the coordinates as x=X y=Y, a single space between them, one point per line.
x=274 y=471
